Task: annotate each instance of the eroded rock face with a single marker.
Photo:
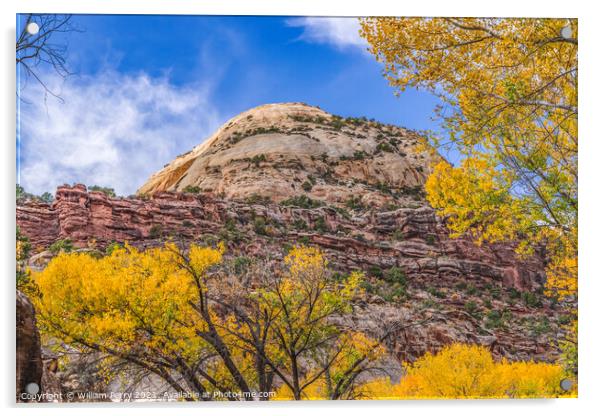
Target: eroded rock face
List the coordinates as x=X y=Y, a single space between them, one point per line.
x=414 y=239
x=280 y=150
x=28 y=354
x=452 y=283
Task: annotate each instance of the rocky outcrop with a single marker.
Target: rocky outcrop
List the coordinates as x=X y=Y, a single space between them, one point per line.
x=414 y=239
x=28 y=353
x=458 y=290
x=281 y=150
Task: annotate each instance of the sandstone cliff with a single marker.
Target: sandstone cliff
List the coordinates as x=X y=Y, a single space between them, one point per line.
x=281 y=150
x=453 y=284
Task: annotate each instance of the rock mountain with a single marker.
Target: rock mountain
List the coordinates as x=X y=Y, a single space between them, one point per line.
x=282 y=150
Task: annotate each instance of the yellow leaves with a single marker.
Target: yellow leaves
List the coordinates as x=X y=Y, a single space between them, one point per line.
x=525 y=379
x=202 y=258
x=510 y=92
x=456 y=371
x=159 y=305
x=127 y=298
x=304 y=260
x=352 y=284
x=20 y=250
x=562 y=277
x=145 y=304
x=469 y=371
x=475 y=200
x=350 y=348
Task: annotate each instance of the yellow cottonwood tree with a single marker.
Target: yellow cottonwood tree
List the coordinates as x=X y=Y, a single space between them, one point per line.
x=509 y=93
x=469 y=371
x=175 y=314
x=508 y=88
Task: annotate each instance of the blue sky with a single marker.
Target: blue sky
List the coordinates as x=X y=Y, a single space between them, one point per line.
x=147 y=88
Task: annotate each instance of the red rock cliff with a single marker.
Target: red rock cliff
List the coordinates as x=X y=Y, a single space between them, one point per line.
x=444 y=275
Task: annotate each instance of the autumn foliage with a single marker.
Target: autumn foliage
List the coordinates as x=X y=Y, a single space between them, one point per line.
x=187 y=318
x=469 y=371
x=509 y=109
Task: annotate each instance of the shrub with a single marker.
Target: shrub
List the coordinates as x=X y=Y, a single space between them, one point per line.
x=531 y=300
x=258 y=199
x=286 y=248
x=230 y=225
x=417 y=192
x=304 y=240
x=302 y=201
x=375 y=271
x=257 y=159
x=241 y=264
x=47 y=197
x=436 y=292
x=541 y=326
x=469 y=371
x=299 y=224
x=354 y=203
x=385 y=147
x=259 y=225
x=513 y=293
x=564 y=319
x=336 y=123
x=494 y=319
x=395 y=294
x=191 y=189
x=395 y=275
x=471 y=290
x=495 y=292
x=111 y=247
x=368 y=286
x=359 y=237
x=471 y=307
x=58 y=246
x=359 y=155
x=343 y=212
x=306 y=186
x=320 y=225
x=155 y=231
x=430 y=240
x=383 y=187
x=23 y=247
x=105 y=190
x=20 y=191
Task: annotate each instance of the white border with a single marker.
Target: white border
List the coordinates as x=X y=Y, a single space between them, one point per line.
x=590 y=287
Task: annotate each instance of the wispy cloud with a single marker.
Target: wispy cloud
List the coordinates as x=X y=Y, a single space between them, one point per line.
x=340 y=32
x=110 y=129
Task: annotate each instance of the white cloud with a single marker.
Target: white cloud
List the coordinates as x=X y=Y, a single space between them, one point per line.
x=341 y=32
x=111 y=130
